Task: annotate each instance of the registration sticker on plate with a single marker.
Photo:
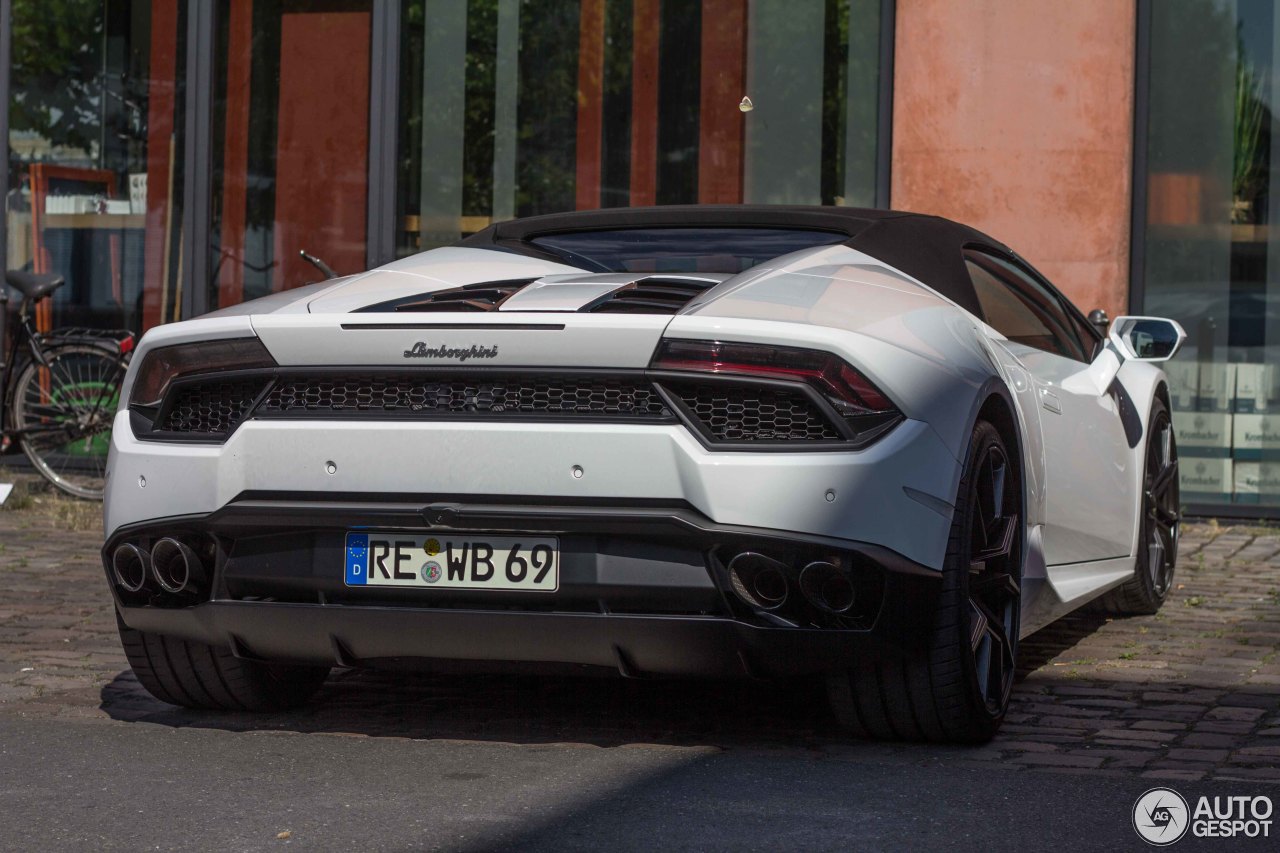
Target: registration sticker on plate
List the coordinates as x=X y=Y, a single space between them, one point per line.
x=453 y=561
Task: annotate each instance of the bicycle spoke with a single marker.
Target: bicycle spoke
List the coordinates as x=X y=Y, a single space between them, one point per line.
x=62 y=414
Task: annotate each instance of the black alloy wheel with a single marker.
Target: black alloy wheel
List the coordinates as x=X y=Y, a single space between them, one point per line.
x=1159 y=524
x=994 y=591
x=1160 y=504
x=955 y=687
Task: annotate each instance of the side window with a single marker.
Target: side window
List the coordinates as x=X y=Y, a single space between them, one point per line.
x=1084 y=335
x=1088 y=336
x=1020 y=308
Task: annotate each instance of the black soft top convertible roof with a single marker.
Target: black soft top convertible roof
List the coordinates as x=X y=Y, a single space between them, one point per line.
x=928 y=248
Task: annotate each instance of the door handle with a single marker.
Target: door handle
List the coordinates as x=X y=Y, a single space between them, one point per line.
x=1050 y=401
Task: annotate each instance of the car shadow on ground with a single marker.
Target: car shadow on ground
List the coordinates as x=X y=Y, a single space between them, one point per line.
x=1052 y=640
x=558 y=709
x=521 y=709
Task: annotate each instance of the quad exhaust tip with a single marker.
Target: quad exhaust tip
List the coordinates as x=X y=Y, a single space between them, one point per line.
x=758 y=580
x=765 y=583
x=826 y=587
x=131 y=566
x=175 y=567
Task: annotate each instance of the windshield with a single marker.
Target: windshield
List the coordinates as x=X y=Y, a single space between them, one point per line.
x=724 y=250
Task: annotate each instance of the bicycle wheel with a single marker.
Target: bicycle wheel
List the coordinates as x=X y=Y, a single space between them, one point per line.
x=63 y=412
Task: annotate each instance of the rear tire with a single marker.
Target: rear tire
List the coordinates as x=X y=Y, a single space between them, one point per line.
x=195 y=675
x=1157 y=557
x=957 y=689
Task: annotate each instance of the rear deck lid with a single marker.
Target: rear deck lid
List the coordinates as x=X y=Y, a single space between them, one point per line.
x=490 y=339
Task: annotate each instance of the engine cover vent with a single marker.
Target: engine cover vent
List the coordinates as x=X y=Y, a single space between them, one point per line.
x=483 y=296
x=652 y=295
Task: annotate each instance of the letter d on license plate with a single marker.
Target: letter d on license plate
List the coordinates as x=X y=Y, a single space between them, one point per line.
x=450 y=561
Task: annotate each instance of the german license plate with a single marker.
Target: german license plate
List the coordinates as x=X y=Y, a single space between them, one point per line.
x=452 y=561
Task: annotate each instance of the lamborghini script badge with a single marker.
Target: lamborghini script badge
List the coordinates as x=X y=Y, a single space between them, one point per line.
x=421 y=350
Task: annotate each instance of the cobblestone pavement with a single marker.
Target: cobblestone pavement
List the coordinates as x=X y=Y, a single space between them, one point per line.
x=1189 y=694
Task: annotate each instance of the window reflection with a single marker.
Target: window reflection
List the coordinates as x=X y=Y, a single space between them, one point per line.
x=1211 y=258
x=95 y=171
x=521 y=107
x=290 y=143
x=681 y=249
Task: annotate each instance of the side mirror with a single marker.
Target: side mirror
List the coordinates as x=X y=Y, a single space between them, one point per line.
x=1147 y=338
x=1099 y=320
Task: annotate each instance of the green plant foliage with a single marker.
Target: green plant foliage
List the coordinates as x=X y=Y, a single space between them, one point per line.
x=57 y=51
x=1250 y=120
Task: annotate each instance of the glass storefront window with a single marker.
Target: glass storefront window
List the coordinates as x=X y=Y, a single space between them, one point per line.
x=519 y=107
x=1212 y=240
x=506 y=108
x=95 y=166
x=290 y=143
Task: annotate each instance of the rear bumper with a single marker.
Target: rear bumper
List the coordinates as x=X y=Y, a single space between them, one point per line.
x=895 y=493
x=643 y=592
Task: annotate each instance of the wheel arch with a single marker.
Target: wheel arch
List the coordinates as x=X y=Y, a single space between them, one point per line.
x=1162 y=391
x=997 y=410
x=1144 y=382
x=995 y=404
x=997 y=407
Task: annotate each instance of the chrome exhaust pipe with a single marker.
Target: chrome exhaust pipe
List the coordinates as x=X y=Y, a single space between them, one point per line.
x=175 y=566
x=131 y=565
x=826 y=587
x=758 y=580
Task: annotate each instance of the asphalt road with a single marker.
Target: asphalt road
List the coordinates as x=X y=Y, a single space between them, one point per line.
x=133 y=786
x=1104 y=710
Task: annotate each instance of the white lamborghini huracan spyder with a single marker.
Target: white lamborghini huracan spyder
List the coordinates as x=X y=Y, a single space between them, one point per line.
x=869 y=446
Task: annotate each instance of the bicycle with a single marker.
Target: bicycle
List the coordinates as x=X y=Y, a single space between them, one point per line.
x=59 y=391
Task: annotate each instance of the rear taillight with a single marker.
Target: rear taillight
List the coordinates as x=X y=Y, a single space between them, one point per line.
x=866 y=410
x=163 y=365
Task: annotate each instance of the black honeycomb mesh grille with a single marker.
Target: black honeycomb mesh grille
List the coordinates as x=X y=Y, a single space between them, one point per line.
x=741 y=412
x=520 y=395
x=210 y=407
x=727 y=411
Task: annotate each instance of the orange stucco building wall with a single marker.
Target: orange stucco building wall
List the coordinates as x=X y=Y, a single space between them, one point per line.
x=1016 y=117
